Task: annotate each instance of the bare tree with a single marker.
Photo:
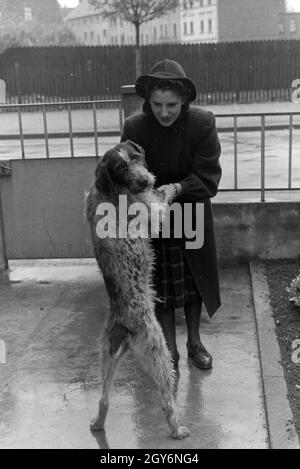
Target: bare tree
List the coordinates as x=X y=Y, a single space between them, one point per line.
x=136 y=12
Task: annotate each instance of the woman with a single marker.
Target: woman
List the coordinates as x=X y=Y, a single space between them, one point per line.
x=182 y=150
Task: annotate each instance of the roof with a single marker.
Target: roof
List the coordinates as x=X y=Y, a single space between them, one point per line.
x=83 y=9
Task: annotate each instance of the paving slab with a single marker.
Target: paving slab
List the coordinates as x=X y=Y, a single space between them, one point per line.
x=51 y=318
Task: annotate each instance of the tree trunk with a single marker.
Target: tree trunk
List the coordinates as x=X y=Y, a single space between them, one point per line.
x=138 y=52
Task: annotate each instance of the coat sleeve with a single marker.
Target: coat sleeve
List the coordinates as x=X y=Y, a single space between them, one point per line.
x=203 y=180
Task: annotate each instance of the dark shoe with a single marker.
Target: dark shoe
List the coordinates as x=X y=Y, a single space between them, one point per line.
x=199 y=356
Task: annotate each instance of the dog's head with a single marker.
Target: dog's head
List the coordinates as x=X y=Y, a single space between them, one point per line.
x=123 y=168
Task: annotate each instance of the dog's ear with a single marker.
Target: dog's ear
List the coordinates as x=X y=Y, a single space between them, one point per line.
x=103 y=178
x=137 y=150
x=136 y=147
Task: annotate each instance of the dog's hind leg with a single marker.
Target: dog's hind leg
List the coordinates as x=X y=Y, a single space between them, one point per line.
x=114 y=346
x=150 y=347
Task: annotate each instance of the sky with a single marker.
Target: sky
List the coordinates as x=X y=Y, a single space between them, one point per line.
x=70 y=3
x=293 y=4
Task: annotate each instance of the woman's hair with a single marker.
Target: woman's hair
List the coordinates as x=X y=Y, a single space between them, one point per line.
x=175 y=86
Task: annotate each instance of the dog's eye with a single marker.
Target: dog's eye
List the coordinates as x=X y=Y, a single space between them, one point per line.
x=123 y=168
x=136 y=156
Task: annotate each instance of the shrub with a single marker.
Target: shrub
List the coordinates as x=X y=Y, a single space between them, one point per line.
x=294 y=291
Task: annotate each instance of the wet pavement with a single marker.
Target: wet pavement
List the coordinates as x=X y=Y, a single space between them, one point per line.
x=51 y=317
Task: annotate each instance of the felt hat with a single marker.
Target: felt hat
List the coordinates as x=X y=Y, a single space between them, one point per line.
x=166 y=70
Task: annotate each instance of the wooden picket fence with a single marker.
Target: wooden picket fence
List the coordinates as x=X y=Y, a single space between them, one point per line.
x=223 y=72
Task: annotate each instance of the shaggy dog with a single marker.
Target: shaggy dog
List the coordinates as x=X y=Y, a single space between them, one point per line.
x=126 y=262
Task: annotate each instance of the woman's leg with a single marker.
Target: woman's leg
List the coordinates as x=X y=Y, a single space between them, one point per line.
x=192 y=312
x=198 y=354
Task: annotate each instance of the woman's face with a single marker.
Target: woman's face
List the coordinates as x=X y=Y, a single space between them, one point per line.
x=166 y=106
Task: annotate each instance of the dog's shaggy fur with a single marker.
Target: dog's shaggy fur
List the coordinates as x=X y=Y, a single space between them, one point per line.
x=126 y=264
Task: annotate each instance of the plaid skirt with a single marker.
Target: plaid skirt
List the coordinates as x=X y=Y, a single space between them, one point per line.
x=173 y=281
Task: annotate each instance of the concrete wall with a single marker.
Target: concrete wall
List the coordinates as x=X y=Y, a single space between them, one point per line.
x=257 y=230
x=43 y=205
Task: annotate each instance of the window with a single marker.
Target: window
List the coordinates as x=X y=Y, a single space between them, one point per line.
x=161 y=30
x=281 y=27
x=27 y=13
x=201 y=3
x=166 y=30
x=174 y=29
x=92 y=35
x=155 y=33
x=210 y=25
x=293 y=25
x=104 y=33
x=201 y=27
x=189 y=31
x=208 y=2
x=85 y=36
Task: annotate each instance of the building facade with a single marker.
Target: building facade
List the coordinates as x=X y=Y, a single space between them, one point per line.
x=241 y=20
x=290 y=25
x=41 y=11
x=194 y=21
x=199 y=21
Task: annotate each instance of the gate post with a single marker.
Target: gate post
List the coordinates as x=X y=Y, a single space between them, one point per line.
x=3 y=257
x=2 y=92
x=131 y=101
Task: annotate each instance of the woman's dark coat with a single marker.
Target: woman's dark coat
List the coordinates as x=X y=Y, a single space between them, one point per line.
x=187 y=152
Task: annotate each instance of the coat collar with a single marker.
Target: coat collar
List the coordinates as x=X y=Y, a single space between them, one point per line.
x=176 y=128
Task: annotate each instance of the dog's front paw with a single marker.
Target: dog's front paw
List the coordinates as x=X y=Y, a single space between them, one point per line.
x=180 y=433
x=97 y=424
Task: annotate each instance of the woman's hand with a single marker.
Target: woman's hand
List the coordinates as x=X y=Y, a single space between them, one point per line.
x=170 y=192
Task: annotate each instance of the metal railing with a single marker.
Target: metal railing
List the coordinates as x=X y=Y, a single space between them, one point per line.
x=262 y=128
x=95 y=133
x=69 y=106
